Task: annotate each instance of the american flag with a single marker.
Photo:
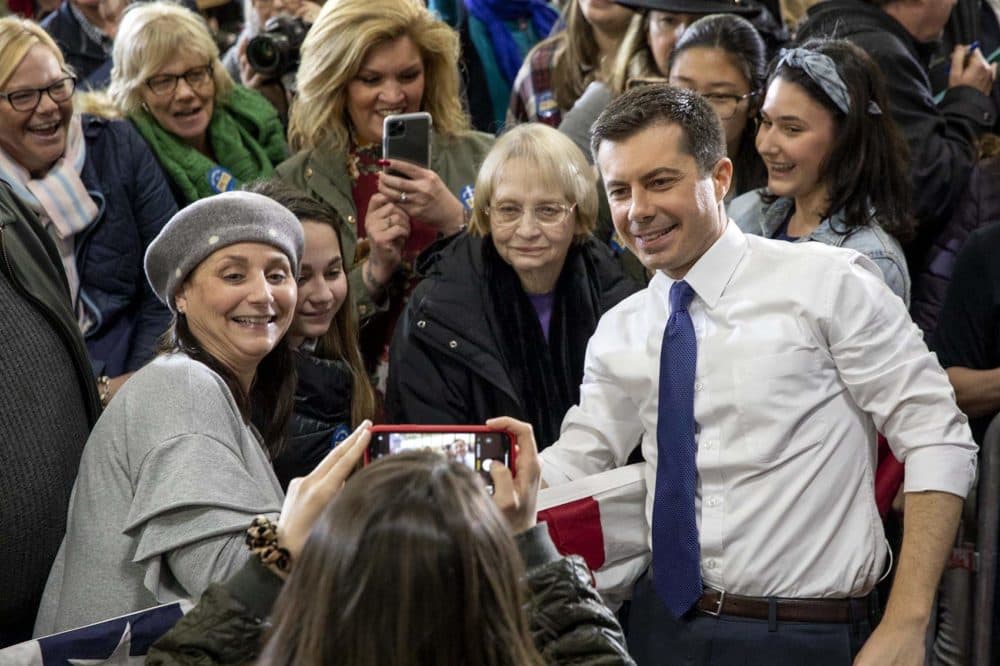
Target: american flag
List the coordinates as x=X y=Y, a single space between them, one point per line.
x=120 y=641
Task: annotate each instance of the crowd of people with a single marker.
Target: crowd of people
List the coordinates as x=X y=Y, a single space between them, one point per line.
x=735 y=249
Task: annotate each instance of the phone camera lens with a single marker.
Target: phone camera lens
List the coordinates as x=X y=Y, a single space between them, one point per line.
x=396 y=127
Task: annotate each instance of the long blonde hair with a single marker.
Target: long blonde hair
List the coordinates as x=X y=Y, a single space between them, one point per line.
x=335 y=49
x=150 y=35
x=634 y=59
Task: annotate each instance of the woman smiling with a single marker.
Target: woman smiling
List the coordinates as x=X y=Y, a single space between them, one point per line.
x=501 y=322
x=359 y=66
x=208 y=134
x=173 y=471
x=97 y=190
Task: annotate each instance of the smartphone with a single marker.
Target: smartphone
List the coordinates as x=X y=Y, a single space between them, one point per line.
x=407 y=136
x=476 y=447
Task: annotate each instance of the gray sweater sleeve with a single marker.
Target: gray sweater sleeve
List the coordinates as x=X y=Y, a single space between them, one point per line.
x=578 y=120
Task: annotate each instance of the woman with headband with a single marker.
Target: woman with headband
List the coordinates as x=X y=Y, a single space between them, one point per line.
x=836 y=170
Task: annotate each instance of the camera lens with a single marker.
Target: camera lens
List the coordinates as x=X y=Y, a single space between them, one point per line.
x=263 y=53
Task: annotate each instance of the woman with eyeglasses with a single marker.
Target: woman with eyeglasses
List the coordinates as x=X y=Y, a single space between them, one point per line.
x=500 y=323
x=722 y=57
x=97 y=190
x=209 y=134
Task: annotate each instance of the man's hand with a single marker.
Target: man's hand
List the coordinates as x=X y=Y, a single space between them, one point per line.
x=971 y=69
x=930 y=523
x=517 y=497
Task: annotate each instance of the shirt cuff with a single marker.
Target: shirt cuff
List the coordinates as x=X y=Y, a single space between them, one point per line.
x=950 y=471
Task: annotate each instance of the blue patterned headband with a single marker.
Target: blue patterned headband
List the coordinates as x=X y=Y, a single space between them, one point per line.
x=820 y=68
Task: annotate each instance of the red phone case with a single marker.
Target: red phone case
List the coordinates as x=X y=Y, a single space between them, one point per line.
x=475 y=429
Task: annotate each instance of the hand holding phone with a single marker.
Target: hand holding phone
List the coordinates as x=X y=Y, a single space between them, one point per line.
x=517 y=495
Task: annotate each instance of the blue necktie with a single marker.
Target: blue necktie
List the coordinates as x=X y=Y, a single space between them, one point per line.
x=676 y=553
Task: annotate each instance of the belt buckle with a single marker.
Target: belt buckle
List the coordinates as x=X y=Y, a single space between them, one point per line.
x=718 y=605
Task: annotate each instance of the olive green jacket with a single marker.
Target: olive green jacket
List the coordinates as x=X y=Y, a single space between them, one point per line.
x=322 y=173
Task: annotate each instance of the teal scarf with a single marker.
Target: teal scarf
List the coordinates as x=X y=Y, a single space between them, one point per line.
x=245 y=133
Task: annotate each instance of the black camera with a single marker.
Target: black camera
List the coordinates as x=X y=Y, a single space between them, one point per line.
x=276 y=51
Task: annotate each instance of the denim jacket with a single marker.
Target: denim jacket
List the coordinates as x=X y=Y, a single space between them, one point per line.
x=754 y=216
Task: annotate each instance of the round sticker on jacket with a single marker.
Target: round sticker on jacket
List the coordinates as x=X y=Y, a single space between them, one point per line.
x=221 y=180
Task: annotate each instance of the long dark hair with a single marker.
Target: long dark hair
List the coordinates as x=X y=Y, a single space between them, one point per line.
x=411 y=565
x=867 y=167
x=739 y=39
x=273 y=385
x=340 y=342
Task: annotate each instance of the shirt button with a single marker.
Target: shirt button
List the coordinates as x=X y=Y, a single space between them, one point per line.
x=309 y=172
x=453 y=344
x=421 y=324
x=714 y=501
x=710 y=564
x=711 y=444
x=362 y=308
x=698 y=386
x=350 y=219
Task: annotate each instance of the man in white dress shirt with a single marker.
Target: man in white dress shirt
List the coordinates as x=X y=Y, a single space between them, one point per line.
x=803 y=354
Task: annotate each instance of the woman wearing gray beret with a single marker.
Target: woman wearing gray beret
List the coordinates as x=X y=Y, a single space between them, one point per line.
x=173 y=473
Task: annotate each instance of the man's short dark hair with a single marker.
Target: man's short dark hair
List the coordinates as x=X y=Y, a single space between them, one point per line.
x=638 y=109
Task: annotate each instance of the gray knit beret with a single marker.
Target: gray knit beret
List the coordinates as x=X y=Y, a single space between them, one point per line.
x=209 y=224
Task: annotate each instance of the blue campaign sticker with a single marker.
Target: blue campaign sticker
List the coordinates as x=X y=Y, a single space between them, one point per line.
x=466 y=196
x=221 y=180
x=546 y=105
x=339 y=434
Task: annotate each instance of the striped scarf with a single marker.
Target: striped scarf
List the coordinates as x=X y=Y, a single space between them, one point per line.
x=60 y=194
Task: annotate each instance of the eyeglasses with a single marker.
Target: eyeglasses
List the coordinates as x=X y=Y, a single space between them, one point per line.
x=725 y=105
x=507 y=215
x=28 y=99
x=165 y=84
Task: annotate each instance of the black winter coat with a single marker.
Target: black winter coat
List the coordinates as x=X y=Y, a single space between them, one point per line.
x=445 y=363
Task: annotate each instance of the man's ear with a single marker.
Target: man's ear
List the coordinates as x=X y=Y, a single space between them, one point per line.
x=722 y=177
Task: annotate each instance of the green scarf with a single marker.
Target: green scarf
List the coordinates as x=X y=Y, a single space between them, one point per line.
x=245 y=132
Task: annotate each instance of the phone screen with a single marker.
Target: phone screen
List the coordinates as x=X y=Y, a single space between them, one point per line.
x=475 y=450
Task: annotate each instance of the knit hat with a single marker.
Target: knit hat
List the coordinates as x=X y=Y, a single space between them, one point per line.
x=212 y=223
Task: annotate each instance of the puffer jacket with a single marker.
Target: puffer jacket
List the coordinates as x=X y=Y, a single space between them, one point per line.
x=134 y=203
x=979 y=207
x=569 y=622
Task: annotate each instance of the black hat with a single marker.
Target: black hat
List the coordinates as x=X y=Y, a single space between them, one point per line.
x=741 y=7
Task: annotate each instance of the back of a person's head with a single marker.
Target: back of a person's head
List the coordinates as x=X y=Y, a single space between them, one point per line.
x=411 y=564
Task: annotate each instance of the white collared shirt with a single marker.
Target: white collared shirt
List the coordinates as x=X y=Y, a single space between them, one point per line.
x=803 y=354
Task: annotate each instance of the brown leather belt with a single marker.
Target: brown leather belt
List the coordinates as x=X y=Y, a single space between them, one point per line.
x=832 y=611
